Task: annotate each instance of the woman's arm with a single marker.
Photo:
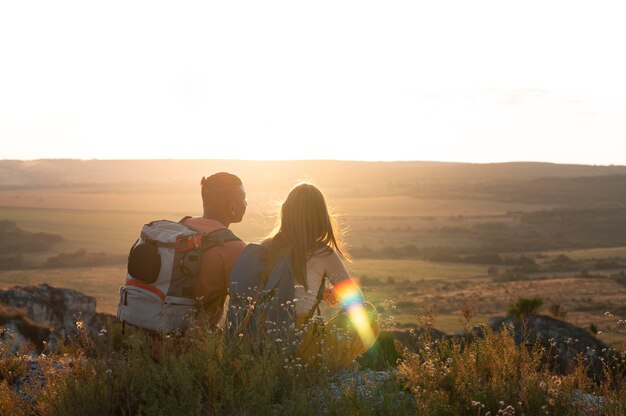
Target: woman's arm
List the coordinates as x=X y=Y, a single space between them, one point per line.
x=345 y=289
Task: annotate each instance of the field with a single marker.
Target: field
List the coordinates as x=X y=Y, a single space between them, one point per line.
x=407 y=284
x=394 y=226
x=591 y=253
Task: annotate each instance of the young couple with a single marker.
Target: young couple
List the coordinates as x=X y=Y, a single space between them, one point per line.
x=309 y=236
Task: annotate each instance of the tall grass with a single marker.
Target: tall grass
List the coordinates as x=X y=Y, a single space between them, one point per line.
x=491 y=375
x=206 y=372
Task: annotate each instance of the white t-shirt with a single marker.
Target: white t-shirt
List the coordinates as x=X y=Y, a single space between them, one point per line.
x=322 y=264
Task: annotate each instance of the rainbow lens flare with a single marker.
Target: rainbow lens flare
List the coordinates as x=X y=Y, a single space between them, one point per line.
x=351 y=299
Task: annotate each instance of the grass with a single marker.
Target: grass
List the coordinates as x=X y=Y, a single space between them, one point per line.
x=207 y=373
x=591 y=253
x=95 y=231
x=412 y=270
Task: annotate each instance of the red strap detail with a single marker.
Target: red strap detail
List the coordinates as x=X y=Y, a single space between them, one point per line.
x=191 y=242
x=150 y=288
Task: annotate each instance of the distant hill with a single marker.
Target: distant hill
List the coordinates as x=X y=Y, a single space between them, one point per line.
x=14 y=240
x=359 y=178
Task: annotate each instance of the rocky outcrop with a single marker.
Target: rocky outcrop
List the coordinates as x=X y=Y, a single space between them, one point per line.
x=45 y=313
x=565 y=343
x=562 y=340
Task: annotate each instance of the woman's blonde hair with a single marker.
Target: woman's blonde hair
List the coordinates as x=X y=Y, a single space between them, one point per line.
x=305 y=228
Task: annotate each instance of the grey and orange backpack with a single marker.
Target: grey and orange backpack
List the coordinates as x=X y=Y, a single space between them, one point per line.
x=163 y=267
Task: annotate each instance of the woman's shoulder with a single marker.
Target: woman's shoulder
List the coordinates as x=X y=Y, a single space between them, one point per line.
x=324 y=250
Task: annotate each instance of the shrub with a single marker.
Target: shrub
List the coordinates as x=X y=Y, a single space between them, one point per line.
x=492 y=375
x=525 y=307
x=201 y=373
x=493 y=271
x=12 y=366
x=558 y=311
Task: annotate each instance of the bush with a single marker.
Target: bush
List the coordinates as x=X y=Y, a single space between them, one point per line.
x=12 y=366
x=557 y=311
x=493 y=271
x=492 y=375
x=525 y=307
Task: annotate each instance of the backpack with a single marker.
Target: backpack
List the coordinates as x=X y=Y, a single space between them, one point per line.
x=272 y=302
x=163 y=267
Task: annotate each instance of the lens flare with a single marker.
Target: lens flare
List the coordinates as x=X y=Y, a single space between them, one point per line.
x=351 y=300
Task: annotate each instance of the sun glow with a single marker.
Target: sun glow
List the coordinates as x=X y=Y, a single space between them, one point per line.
x=322 y=80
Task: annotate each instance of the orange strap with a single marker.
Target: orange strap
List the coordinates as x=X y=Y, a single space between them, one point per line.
x=188 y=243
x=150 y=288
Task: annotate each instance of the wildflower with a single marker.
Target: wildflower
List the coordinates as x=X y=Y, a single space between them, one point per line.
x=80 y=324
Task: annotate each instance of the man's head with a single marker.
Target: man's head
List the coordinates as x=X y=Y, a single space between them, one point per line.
x=223 y=198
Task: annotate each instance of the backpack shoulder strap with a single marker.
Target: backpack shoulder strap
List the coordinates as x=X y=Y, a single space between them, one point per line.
x=218 y=238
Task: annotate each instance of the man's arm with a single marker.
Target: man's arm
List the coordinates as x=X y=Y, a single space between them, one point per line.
x=212 y=283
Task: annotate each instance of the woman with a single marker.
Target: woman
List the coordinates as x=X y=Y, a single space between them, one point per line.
x=308 y=240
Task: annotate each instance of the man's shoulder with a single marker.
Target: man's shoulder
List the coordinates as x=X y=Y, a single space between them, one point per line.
x=203 y=225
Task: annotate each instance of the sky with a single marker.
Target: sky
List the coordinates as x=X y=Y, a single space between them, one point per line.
x=467 y=81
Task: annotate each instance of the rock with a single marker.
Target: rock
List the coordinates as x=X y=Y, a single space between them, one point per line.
x=47 y=315
x=19 y=329
x=363 y=386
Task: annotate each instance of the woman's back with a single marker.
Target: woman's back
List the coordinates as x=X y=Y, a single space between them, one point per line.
x=323 y=263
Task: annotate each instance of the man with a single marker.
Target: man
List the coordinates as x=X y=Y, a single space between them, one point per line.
x=224 y=202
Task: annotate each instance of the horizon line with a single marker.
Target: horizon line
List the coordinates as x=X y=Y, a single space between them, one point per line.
x=316 y=160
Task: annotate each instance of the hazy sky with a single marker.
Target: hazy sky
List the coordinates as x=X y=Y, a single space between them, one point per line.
x=477 y=81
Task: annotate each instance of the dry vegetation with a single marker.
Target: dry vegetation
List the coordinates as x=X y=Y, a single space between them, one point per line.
x=206 y=372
